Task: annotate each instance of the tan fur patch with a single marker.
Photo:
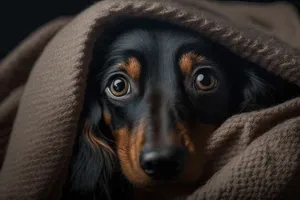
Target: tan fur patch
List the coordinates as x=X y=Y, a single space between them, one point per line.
x=183 y=132
x=187 y=61
x=122 y=142
x=129 y=147
x=132 y=67
x=107 y=118
x=140 y=134
x=194 y=138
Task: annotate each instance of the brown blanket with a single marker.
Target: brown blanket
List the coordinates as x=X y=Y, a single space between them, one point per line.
x=251 y=156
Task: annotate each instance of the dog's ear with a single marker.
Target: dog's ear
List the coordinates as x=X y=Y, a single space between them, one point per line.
x=257 y=90
x=264 y=89
x=94 y=160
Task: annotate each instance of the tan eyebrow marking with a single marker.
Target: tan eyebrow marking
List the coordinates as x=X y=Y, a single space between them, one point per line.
x=132 y=67
x=188 y=59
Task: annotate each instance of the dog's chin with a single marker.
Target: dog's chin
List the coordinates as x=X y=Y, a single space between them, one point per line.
x=167 y=188
x=163 y=184
x=170 y=188
x=188 y=178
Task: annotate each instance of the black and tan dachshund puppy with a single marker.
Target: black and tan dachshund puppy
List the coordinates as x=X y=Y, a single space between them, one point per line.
x=152 y=101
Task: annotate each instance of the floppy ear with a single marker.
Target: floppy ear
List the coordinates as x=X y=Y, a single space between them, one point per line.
x=264 y=89
x=94 y=160
x=257 y=91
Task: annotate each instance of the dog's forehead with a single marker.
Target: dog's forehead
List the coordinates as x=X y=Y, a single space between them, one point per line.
x=153 y=41
x=159 y=49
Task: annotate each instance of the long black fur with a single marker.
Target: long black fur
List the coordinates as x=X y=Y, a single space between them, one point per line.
x=94 y=170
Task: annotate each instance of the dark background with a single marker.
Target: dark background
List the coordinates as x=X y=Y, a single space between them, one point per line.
x=20 y=17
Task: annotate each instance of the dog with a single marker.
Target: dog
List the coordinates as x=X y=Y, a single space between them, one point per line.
x=151 y=102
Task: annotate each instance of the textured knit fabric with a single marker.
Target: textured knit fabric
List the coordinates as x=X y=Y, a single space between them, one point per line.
x=42 y=82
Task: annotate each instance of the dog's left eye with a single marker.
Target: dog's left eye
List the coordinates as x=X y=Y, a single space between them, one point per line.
x=119 y=87
x=205 y=79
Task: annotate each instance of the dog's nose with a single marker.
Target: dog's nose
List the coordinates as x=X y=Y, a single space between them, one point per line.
x=162 y=163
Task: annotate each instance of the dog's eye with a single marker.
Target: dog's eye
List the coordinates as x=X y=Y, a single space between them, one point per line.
x=205 y=79
x=119 y=87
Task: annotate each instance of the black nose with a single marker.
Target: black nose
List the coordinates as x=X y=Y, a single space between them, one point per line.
x=162 y=163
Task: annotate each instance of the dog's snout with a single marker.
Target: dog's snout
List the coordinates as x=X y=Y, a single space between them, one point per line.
x=162 y=163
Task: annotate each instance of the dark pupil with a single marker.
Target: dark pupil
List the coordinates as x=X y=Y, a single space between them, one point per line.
x=119 y=85
x=204 y=79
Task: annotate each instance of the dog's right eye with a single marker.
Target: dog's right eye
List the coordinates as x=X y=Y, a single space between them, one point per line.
x=118 y=87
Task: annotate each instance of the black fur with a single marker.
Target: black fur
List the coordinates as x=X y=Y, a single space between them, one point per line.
x=95 y=172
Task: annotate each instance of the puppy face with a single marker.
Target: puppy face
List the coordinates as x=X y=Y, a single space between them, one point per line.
x=151 y=104
x=162 y=95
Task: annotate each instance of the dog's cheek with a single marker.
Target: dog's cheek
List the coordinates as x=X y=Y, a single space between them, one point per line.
x=196 y=145
x=122 y=146
x=128 y=148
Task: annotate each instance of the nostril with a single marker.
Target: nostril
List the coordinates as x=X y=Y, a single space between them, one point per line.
x=149 y=162
x=162 y=163
x=149 y=167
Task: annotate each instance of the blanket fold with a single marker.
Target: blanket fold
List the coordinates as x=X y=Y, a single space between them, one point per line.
x=42 y=82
